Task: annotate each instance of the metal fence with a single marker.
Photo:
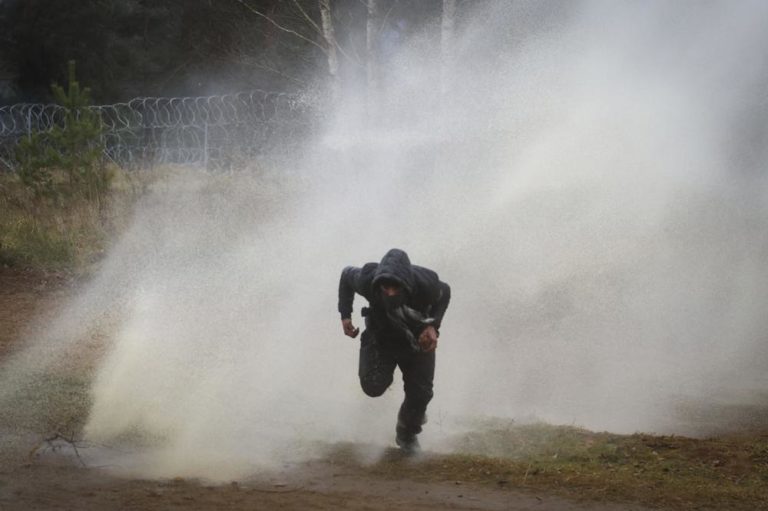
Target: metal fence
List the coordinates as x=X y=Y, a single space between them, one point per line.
x=211 y=131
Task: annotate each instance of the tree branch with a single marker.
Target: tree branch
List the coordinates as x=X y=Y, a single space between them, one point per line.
x=386 y=17
x=308 y=17
x=279 y=26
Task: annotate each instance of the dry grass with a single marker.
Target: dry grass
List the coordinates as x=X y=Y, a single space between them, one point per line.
x=729 y=472
x=44 y=403
x=63 y=231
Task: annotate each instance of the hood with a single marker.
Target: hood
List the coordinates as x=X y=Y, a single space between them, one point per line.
x=395 y=265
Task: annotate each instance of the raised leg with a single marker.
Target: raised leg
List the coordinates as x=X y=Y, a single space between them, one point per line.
x=377 y=365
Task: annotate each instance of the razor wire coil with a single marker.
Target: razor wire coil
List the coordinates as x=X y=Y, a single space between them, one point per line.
x=146 y=131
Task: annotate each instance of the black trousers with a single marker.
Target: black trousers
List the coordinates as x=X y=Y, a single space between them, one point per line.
x=378 y=358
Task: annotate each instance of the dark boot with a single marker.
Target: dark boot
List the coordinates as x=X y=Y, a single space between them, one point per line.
x=407 y=442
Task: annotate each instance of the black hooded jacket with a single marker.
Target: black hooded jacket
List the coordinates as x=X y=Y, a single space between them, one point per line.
x=425 y=292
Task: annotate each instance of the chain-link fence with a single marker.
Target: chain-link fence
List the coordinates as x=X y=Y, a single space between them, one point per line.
x=211 y=131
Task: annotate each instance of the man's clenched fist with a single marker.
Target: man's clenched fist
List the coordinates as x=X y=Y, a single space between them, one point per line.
x=349 y=328
x=428 y=339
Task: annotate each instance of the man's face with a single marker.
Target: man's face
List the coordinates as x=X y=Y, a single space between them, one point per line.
x=390 y=288
x=392 y=295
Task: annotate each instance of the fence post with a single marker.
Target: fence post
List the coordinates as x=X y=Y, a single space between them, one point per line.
x=205 y=145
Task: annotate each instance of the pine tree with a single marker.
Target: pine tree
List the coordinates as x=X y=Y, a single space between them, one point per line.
x=74 y=146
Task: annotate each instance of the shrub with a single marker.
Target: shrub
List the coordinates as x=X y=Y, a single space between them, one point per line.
x=72 y=149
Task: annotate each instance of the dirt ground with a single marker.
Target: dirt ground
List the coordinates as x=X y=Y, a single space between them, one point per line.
x=23 y=295
x=58 y=481
x=317 y=485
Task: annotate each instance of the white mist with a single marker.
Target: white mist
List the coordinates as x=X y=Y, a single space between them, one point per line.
x=590 y=187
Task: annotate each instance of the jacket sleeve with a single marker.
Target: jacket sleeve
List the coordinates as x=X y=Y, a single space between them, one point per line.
x=439 y=308
x=349 y=276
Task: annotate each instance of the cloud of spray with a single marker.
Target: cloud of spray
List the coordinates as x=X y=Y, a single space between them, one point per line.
x=591 y=185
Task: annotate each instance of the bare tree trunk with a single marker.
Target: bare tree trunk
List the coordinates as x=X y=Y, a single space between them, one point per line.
x=443 y=155
x=371 y=56
x=370 y=43
x=446 y=43
x=330 y=42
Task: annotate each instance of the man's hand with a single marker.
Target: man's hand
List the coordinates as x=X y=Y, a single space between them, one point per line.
x=428 y=339
x=349 y=328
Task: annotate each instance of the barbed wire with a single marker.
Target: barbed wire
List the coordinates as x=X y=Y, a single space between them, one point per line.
x=212 y=131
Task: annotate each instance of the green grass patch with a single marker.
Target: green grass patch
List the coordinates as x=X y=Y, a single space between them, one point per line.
x=672 y=472
x=46 y=402
x=28 y=242
x=63 y=231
